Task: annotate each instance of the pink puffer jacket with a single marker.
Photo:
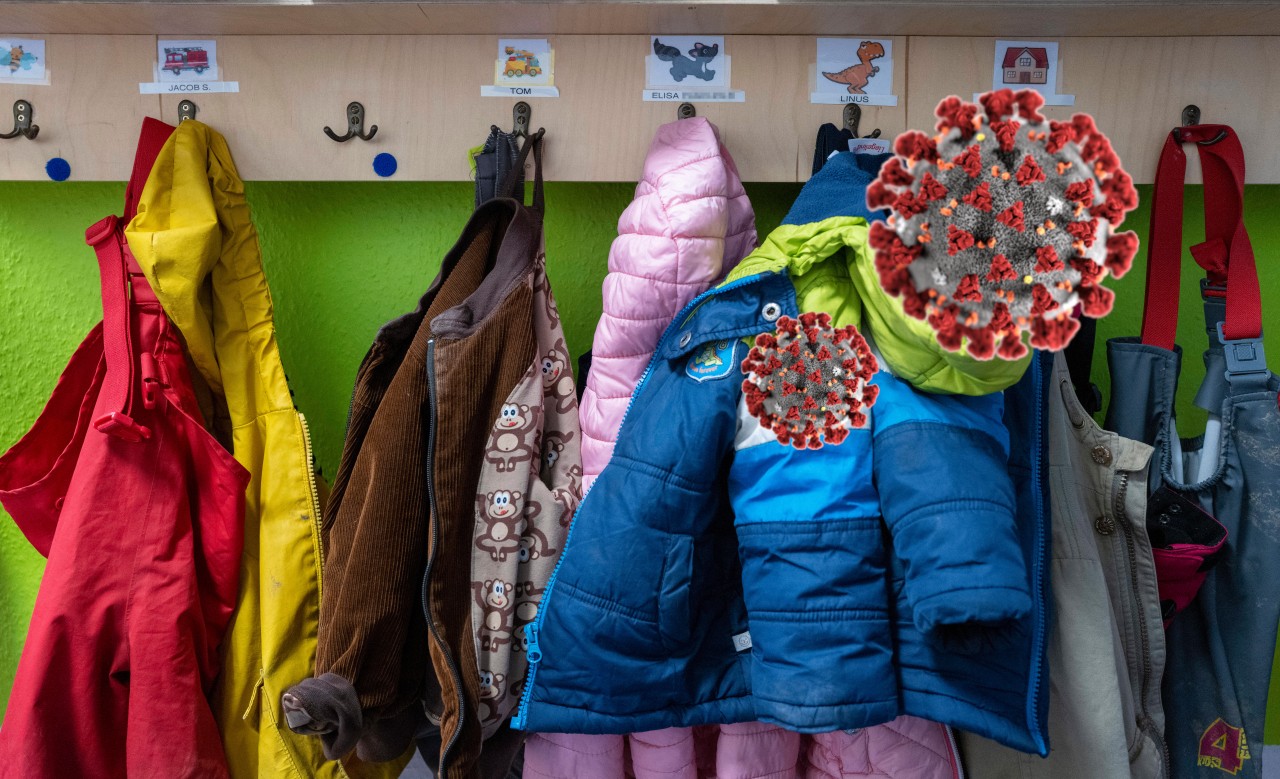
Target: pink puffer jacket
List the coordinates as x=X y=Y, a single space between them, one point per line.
x=689 y=224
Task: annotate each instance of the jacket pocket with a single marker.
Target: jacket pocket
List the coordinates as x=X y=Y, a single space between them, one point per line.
x=675 y=622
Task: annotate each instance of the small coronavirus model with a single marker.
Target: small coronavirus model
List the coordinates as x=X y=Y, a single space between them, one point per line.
x=1001 y=223
x=809 y=382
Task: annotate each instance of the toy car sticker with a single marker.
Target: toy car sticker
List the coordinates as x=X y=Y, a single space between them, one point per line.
x=854 y=70
x=524 y=67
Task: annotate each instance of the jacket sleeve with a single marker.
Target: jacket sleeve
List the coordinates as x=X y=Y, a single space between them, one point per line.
x=683 y=231
x=814 y=575
x=941 y=469
x=370 y=658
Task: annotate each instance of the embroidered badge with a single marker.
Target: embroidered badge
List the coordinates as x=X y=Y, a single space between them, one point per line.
x=1223 y=747
x=712 y=360
x=809 y=382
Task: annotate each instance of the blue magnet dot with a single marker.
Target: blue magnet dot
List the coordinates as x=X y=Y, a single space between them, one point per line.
x=385 y=164
x=58 y=169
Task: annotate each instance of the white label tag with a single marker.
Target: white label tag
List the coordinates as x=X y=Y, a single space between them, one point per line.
x=166 y=88
x=493 y=90
x=870 y=145
x=742 y=641
x=694 y=96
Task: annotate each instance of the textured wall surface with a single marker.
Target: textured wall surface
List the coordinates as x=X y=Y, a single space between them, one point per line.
x=342 y=259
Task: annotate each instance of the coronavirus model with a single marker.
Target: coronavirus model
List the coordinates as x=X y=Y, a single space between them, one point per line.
x=1002 y=223
x=808 y=382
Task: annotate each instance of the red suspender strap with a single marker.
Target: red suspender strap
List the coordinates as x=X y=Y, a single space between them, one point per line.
x=107 y=239
x=152 y=139
x=1226 y=255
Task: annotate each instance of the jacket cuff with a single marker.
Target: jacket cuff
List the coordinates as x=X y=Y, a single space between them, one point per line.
x=325 y=706
x=949 y=619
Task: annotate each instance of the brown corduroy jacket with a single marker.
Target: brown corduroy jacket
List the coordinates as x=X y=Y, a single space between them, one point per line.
x=459 y=476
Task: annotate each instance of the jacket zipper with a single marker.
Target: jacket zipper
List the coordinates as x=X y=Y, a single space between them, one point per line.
x=454 y=672
x=956 y=762
x=1145 y=722
x=535 y=653
x=1037 y=475
x=310 y=464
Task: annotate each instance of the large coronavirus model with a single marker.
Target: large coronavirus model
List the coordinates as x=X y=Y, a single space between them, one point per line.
x=808 y=382
x=1001 y=223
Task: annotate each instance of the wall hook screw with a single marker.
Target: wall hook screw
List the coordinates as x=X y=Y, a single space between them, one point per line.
x=22 y=113
x=355 y=125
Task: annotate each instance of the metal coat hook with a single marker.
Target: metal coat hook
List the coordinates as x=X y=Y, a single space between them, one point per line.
x=853 y=117
x=1191 y=116
x=22 y=113
x=686 y=111
x=186 y=110
x=355 y=125
x=521 y=116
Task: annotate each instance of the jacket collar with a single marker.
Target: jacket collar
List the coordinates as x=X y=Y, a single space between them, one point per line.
x=517 y=234
x=745 y=307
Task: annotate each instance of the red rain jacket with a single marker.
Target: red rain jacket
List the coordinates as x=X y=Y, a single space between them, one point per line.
x=139 y=511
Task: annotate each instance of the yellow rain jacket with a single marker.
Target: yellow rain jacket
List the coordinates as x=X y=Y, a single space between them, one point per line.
x=194 y=240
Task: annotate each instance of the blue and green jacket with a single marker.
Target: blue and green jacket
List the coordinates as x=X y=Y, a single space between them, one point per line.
x=715 y=575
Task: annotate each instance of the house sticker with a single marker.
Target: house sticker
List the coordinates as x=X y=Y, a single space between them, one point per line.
x=1029 y=65
x=1026 y=65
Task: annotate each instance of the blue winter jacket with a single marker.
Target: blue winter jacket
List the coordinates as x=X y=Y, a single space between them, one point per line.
x=714 y=575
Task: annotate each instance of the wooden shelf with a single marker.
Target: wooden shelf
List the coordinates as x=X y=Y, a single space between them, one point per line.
x=417 y=68
x=1007 y=18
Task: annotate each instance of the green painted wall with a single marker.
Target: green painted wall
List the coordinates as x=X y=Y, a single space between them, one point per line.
x=344 y=258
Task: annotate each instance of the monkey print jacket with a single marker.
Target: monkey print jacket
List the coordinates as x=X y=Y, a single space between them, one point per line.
x=458 y=478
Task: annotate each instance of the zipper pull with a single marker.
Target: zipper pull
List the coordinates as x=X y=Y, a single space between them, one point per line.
x=535 y=654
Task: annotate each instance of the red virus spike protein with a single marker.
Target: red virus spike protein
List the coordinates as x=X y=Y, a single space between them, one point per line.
x=1001 y=224
x=808 y=382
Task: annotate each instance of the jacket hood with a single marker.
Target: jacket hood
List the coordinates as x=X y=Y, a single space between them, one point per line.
x=192 y=219
x=823 y=241
x=689 y=224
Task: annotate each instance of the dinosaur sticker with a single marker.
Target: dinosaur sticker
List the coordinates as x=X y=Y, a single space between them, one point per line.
x=855 y=77
x=854 y=70
x=691 y=61
x=22 y=59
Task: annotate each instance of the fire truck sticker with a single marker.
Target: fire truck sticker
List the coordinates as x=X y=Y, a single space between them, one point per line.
x=22 y=59
x=187 y=68
x=186 y=61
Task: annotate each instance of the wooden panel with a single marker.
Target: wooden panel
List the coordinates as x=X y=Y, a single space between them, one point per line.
x=1008 y=18
x=91 y=112
x=212 y=18
x=293 y=86
x=1134 y=87
x=423 y=93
